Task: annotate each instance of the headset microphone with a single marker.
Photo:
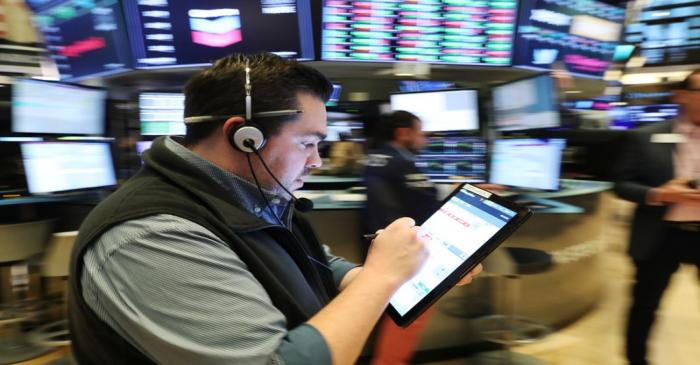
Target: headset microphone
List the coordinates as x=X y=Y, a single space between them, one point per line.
x=301 y=204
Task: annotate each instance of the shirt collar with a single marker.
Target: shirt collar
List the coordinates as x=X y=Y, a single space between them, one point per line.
x=242 y=190
x=403 y=151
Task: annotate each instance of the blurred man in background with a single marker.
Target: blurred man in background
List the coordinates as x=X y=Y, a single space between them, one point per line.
x=395 y=188
x=658 y=171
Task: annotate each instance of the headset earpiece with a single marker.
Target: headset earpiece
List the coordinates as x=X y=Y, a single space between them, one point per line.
x=246 y=132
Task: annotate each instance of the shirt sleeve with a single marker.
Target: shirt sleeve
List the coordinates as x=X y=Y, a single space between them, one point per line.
x=180 y=295
x=339 y=265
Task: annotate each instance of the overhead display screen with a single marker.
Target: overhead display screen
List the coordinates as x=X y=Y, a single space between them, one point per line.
x=668 y=33
x=167 y=33
x=467 y=32
x=85 y=38
x=579 y=35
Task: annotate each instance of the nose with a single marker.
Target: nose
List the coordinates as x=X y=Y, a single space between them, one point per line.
x=314 y=161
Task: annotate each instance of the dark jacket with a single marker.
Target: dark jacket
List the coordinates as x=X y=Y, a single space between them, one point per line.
x=276 y=256
x=644 y=165
x=395 y=189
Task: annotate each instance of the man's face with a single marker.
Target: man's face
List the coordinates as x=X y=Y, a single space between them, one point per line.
x=294 y=150
x=689 y=100
x=416 y=135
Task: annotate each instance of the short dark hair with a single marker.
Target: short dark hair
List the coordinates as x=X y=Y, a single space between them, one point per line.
x=220 y=90
x=685 y=84
x=388 y=124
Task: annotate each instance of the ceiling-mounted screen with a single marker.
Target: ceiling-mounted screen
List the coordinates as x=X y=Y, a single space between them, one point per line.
x=167 y=33
x=85 y=38
x=440 y=31
x=668 y=33
x=579 y=35
x=530 y=103
x=44 y=107
x=441 y=111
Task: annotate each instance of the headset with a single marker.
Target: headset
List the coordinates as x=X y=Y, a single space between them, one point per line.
x=248 y=137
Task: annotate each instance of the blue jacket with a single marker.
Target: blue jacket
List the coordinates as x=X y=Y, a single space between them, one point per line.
x=395 y=188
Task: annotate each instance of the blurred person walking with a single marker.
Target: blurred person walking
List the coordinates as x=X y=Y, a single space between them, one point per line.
x=659 y=170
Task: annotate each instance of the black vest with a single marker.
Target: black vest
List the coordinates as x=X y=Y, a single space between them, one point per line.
x=276 y=256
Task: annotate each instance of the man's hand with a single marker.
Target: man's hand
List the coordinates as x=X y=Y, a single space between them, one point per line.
x=674 y=191
x=397 y=252
x=470 y=275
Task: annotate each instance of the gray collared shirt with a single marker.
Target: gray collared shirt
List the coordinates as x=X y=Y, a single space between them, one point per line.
x=180 y=295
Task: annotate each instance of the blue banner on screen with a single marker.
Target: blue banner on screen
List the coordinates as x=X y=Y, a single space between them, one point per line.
x=441 y=31
x=85 y=38
x=579 y=34
x=167 y=33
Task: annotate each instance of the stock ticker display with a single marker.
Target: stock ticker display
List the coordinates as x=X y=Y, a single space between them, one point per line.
x=578 y=35
x=85 y=38
x=447 y=159
x=466 y=32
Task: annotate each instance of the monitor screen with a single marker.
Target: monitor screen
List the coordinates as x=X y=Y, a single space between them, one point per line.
x=335 y=95
x=85 y=38
x=453 y=159
x=407 y=86
x=667 y=33
x=162 y=113
x=446 y=32
x=440 y=111
x=633 y=116
x=62 y=166
x=527 y=163
x=526 y=104
x=579 y=35
x=167 y=33
x=54 y=108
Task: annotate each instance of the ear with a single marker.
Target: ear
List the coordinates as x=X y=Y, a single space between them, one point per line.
x=232 y=123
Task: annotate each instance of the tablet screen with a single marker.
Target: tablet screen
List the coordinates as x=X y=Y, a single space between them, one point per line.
x=462 y=225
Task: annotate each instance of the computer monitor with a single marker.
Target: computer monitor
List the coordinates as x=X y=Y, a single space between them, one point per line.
x=335 y=95
x=529 y=103
x=176 y=33
x=162 y=113
x=44 y=107
x=634 y=116
x=579 y=36
x=453 y=159
x=84 y=38
x=407 y=86
x=441 y=111
x=457 y=32
x=63 y=166
x=527 y=163
x=666 y=32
